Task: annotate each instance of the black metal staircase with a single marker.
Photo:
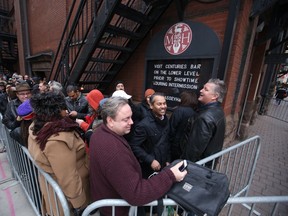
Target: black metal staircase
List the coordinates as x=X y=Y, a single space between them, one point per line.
x=8 y=39
x=102 y=36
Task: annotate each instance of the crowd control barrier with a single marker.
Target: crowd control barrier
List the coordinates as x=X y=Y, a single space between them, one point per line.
x=238 y=162
x=234 y=206
x=277 y=109
x=28 y=174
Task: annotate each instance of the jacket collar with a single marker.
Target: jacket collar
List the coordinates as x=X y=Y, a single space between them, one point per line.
x=119 y=137
x=210 y=105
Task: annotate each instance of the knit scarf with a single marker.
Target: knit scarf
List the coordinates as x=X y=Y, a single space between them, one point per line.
x=53 y=128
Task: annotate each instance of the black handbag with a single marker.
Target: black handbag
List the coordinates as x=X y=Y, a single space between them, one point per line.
x=203 y=191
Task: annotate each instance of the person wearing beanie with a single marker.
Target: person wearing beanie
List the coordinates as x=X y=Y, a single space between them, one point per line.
x=148 y=93
x=119 y=85
x=25 y=111
x=144 y=106
x=25 y=116
x=93 y=97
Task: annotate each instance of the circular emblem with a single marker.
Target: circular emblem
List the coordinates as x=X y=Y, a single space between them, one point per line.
x=178 y=38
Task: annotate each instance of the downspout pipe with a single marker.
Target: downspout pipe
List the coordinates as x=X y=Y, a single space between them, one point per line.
x=244 y=106
x=234 y=8
x=25 y=37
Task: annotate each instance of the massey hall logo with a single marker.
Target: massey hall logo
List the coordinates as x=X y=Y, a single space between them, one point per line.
x=178 y=38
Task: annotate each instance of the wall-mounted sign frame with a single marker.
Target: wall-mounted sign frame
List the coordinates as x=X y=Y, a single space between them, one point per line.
x=182 y=57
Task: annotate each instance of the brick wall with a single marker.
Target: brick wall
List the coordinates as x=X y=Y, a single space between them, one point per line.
x=45 y=26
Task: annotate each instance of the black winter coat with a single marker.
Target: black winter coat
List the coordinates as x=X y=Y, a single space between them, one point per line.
x=3 y=102
x=10 y=116
x=150 y=141
x=208 y=131
x=178 y=122
x=143 y=110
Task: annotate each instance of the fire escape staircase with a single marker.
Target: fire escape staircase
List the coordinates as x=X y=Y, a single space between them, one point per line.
x=102 y=36
x=8 y=40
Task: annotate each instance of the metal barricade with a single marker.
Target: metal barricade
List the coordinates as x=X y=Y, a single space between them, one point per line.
x=277 y=206
x=28 y=174
x=277 y=109
x=238 y=162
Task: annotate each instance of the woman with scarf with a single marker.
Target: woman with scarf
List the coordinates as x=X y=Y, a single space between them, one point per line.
x=57 y=147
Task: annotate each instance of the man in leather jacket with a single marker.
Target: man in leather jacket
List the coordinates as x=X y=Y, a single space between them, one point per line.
x=208 y=129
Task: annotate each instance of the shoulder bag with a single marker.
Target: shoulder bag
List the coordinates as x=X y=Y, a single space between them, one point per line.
x=203 y=191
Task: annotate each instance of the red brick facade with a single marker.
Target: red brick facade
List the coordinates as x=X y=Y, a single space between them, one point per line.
x=46 y=20
x=45 y=25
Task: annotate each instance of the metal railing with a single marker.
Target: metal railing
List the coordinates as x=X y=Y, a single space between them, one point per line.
x=238 y=162
x=234 y=206
x=278 y=109
x=33 y=179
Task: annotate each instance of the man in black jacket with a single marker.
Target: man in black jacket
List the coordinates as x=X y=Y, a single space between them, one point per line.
x=149 y=141
x=208 y=129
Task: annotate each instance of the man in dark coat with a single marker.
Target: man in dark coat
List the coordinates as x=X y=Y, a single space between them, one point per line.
x=150 y=139
x=208 y=129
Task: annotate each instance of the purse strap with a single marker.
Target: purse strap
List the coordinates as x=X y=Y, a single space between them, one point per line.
x=160 y=207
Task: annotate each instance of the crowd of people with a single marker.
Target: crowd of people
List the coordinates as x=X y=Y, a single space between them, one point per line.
x=99 y=147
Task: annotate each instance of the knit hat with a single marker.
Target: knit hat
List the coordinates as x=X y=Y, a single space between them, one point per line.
x=118 y=82
x=121 y=93
x=149 y=92
x=103 y=101
x=94 y=97
x=23 y=86
x=25 y=111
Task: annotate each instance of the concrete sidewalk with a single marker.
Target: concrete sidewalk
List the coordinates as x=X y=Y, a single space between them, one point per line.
x=12 y=198
x=271 y=174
